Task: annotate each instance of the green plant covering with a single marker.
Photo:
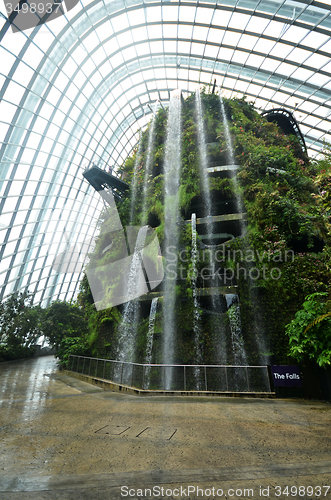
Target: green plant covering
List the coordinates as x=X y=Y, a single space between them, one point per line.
x=287 y=200
x=310 y=331
x=65 y=327
x=19 y=326
x=285 y=247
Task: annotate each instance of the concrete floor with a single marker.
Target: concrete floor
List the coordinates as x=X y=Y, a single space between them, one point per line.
x=64 y=439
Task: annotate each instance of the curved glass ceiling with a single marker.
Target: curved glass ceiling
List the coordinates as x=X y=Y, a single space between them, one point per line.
x=78 y=89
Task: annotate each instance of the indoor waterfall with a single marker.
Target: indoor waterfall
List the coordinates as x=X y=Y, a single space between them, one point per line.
x=259 y=340
x=229 y=147
x=148 y=166
x=230 y=158
x=150 y=338
x=219 y=308
x=172 y=166
x=134 y=181
x=130 y=317
x=196 y=313
x=207 y=203
x=203 y=162
x=196 y=306
x=238 y=348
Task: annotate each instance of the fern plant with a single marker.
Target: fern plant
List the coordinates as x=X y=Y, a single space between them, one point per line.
x=310 y=331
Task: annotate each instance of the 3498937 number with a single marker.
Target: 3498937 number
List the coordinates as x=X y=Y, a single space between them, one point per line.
x=301 y=491
x=34 y=8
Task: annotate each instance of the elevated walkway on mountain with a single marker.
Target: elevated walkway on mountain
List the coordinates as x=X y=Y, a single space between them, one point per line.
x=286 y=121
x=101 y=180
x=220 y=218
x=202 y=292
x=224 y=168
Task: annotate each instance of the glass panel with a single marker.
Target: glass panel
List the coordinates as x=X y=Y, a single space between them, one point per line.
x=77 y=133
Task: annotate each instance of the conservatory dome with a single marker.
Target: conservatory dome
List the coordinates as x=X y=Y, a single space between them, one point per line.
x=77 y=89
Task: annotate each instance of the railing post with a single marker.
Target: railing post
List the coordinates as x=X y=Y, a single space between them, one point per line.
x=247 y=379
x=143 y=381
x=269 y=381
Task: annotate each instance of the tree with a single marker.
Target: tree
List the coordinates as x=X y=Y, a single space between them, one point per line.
x=65 y=327
x=19 y=325
x=310 y=331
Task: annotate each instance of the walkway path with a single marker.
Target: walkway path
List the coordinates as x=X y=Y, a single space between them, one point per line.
x=64 y=439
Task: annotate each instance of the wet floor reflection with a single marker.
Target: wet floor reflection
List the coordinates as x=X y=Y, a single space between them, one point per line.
x=27 y=380
x=50 y=432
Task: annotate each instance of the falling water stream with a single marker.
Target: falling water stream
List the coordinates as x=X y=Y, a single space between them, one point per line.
x=238 y=348
x=130 y=318
x=150 y=334
x=205 y=193
x=172 y=165
x=232 y=300
x=128 y=327
x=237 y=344
x=227 y=133
x=234 y=310
x=148 y=166
x=230 y=158
x=196 y=312
x=134 y=181
x=196 y=306
x=150 y=339
x=203 y=162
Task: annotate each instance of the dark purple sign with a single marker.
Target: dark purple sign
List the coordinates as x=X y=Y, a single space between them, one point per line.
x=286 y=376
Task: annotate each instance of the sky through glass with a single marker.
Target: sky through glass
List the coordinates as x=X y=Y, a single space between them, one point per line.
x=79 y=88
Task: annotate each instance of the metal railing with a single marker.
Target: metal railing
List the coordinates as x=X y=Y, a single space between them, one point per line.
x=166 y=377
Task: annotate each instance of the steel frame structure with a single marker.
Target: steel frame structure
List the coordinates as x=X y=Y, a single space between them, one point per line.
x=79 y=89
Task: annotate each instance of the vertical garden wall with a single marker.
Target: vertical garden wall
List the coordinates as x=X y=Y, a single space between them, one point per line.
x=269 y=259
